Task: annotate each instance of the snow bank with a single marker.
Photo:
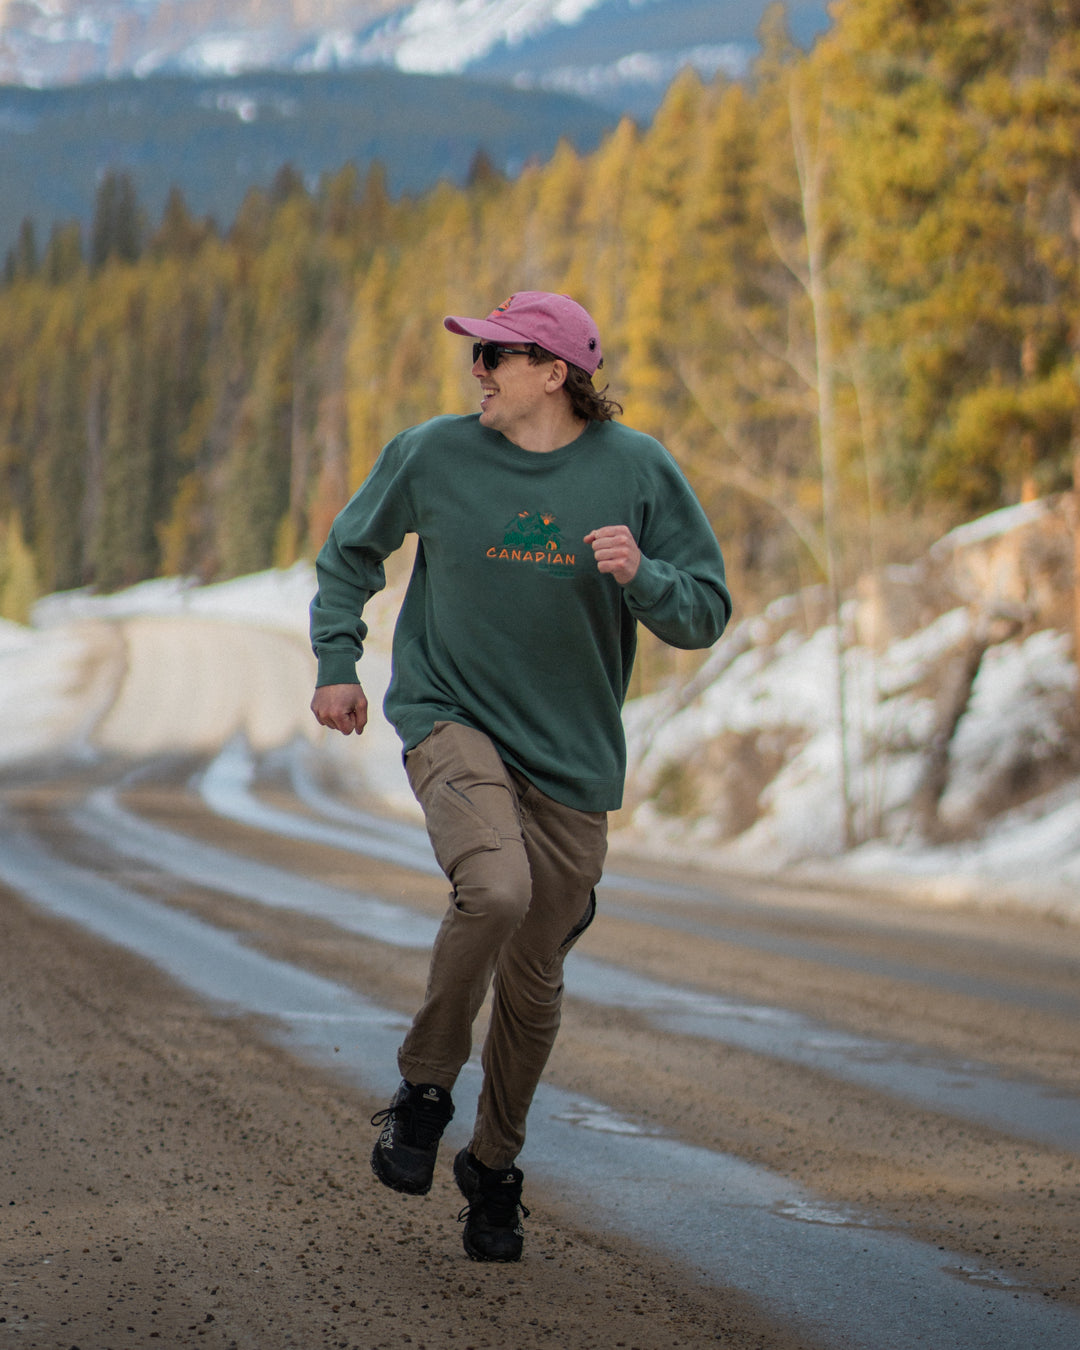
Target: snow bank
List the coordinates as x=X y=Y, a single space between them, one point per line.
x=1011 y=803
x=749 y=753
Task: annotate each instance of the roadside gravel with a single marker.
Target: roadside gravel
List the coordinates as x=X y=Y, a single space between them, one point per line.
x=169 y=1178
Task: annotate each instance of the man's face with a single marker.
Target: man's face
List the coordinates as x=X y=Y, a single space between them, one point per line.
x=512 y=394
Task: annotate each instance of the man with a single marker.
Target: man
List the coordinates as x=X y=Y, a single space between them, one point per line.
x=546 y=532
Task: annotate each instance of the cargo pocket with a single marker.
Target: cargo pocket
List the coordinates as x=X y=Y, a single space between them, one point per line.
x=456 y=828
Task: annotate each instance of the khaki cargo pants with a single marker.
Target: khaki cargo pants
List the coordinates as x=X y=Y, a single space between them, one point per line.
x=523 y=869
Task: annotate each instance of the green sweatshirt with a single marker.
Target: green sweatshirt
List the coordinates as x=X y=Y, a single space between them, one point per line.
x=508 y=626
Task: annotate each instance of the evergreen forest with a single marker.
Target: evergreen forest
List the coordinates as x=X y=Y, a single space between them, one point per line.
x=845 y=293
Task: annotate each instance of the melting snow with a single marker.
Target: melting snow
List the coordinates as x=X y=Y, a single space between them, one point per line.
x=755 y=685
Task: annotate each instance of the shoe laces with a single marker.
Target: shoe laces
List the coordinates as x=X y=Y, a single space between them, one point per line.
x=498 y=1203
x=421 y=1123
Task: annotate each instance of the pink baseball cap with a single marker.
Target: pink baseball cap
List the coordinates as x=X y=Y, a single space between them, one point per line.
x=554 y=322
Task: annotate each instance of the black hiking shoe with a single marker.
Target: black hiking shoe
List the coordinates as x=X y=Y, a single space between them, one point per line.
x=493 y=1215
x=412 y=1125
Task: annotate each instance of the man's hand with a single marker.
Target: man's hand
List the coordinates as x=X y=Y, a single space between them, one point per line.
x=341 y=707
x=616 y=551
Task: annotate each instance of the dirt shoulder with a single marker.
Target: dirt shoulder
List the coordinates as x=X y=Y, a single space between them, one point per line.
x=168 y=1177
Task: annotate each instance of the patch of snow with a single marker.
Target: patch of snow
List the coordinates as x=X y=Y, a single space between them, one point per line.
x=444 y=37
x=40 y=680
x=1017 y=709
x=274 y=599
x=228 y=53
x=992 y=526
x=656 y=69
x=332 y=51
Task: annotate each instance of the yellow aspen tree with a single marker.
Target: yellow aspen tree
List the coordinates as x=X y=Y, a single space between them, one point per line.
x=363 y=360
x=551 y=228
x=18 y=573
x=652 y=224
x=600 y=246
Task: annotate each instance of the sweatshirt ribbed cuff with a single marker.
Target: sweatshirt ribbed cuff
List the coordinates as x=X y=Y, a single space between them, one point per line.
x=337 y=668
x=650 y=585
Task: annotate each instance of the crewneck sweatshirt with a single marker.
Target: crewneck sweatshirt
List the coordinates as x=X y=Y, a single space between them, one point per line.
x=507 y=625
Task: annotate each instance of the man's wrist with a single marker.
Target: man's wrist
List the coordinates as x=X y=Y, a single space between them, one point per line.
x=649 y=583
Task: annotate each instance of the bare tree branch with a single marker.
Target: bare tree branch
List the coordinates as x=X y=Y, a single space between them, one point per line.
x=742 y=476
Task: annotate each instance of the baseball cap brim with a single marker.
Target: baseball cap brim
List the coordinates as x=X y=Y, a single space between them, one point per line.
x=484 y=329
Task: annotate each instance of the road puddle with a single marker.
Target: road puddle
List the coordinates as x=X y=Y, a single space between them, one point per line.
x=590 y=1116
x=821 y=1211
x=987 y=1279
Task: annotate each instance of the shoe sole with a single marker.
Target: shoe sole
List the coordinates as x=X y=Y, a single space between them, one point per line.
x=474 y=1255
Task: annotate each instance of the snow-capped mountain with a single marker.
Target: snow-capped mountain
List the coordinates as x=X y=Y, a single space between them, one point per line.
x=622 y=53
x=592 y=47
x=447 y=37
x=54 y=42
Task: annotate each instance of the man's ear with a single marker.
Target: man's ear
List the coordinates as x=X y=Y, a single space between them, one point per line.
x=557 y=375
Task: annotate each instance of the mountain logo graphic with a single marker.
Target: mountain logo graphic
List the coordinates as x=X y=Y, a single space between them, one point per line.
x=534 y=537
x=533 y=530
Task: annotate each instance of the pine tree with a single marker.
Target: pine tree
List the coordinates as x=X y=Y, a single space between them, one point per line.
x=124 y=547
x=116 y=232
x=64 y=254
x=178 y=235
x=22 y=260
x=58 y=468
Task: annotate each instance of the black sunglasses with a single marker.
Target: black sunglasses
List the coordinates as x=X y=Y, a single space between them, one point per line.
x=492 y=353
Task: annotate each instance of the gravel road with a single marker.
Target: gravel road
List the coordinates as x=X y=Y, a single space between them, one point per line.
x=175 y=1172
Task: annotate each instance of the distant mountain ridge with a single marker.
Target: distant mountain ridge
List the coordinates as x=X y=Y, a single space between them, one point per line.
x=594 y=48
x=217 y=138
x=216 y=95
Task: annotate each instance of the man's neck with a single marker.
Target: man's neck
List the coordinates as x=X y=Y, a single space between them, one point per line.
x=541 y=437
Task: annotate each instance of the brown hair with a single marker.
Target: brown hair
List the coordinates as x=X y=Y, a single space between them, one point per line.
x=585 y=399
